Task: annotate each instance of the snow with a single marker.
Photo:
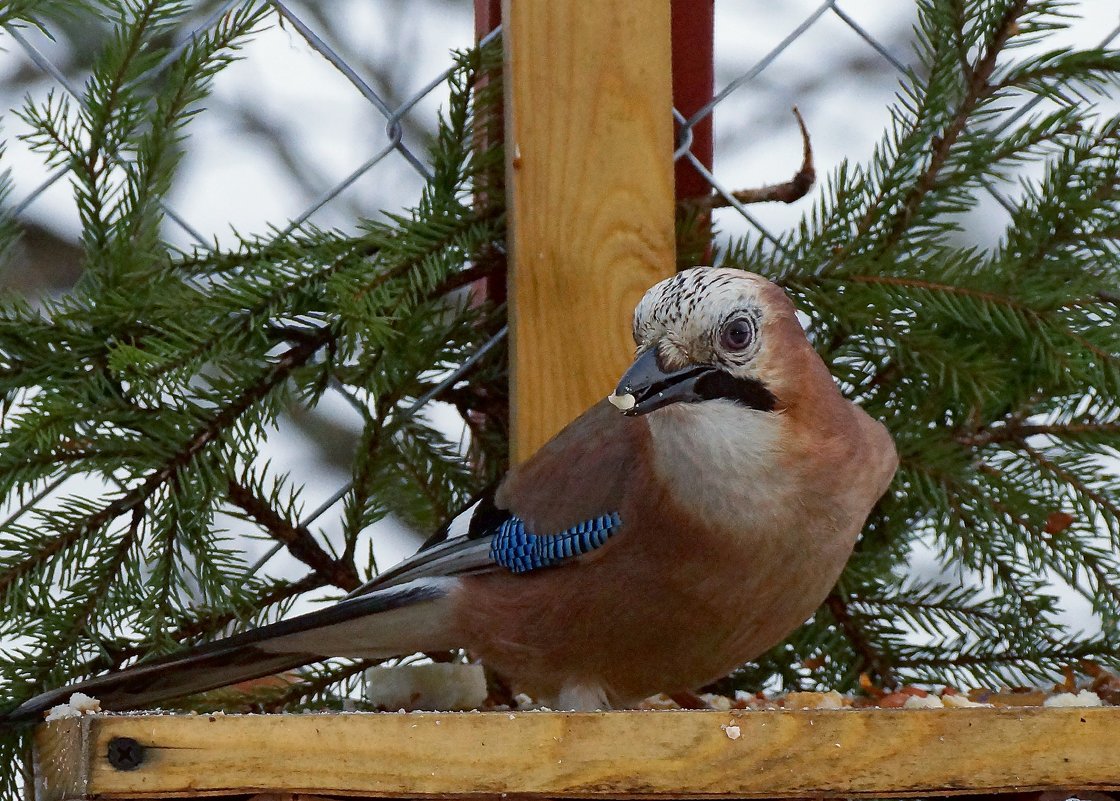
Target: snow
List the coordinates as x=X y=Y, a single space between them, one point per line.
x=959 y=702
x=923 y=702
x=1083 y=698
x=78 y=705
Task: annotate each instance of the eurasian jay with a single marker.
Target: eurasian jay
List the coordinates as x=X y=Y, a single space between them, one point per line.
x=675 y=530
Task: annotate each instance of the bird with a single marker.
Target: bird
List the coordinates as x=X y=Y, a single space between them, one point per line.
x=677 y=529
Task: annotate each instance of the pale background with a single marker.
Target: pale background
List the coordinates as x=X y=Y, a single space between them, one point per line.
x=283 y=126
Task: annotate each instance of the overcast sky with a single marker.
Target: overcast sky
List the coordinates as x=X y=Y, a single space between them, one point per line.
x=284 y=126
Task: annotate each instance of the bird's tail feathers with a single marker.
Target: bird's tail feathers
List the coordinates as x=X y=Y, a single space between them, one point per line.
x=396 y=621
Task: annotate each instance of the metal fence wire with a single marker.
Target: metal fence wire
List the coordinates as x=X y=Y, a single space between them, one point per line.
x=392 y=114
x=400 y=147
x=889 y=57
x=394 y=111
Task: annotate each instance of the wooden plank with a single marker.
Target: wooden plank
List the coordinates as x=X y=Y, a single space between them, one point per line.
x=589 y=144
x=62 y=759
x=868 y=753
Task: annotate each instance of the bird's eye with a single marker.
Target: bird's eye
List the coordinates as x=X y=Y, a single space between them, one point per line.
x=737 y=334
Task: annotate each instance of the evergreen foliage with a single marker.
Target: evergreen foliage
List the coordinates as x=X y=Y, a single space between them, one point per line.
x=997 y=370
x=160 y=375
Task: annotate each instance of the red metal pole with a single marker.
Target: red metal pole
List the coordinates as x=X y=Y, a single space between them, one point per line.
x=488 y=16
x=693 y=81
x=693 y=84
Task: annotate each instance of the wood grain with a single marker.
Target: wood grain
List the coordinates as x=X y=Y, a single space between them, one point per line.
x=62 y=759
x=589 y=146
x=870 y=753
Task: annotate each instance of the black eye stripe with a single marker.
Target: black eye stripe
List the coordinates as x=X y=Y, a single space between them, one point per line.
x=747 y=391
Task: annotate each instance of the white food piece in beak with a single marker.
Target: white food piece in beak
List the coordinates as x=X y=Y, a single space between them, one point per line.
x=622 y=402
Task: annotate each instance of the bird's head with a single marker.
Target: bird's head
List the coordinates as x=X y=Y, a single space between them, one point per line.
x=709 y=333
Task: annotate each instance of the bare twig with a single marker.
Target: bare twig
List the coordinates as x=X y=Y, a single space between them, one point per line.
x=788 y=192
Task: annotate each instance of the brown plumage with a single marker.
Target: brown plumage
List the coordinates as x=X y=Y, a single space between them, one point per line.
x=737 y=524
x=741 y=477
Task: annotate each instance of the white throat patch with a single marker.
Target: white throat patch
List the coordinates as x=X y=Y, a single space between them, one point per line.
x=720 y=458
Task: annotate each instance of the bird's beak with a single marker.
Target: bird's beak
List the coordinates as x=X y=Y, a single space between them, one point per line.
x=646 y=387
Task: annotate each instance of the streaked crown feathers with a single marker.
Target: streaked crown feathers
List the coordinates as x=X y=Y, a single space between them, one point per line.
x=683 y=315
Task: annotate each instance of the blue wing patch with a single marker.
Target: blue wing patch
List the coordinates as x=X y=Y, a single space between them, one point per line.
x=518 y=551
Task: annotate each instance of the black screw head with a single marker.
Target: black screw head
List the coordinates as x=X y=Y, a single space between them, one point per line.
x=124 y=753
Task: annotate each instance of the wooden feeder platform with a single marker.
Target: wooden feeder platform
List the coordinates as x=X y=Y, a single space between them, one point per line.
x=671 y=754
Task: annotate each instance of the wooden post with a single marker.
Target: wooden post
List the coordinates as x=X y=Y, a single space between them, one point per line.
x=588 y=142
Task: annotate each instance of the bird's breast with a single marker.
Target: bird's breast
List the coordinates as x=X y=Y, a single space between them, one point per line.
x=728 y=540
x=723 y=463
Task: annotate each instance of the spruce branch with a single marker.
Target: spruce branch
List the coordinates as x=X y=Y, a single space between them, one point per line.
x=870 y=658
x=977 y=88
x=1028 y=314
x=945 y=607
x=162 y=372
x=187 y=83
x=1052 y=73
x=1098 y=499
x=1058 y=653
x=1018 y=431
x=971 y=507
x=107 y=87
x=296 y=538
x=95 y=585
x=203 y=436
x=37 y=13
x=312 y=684
x=248 y=318
x=203 y=623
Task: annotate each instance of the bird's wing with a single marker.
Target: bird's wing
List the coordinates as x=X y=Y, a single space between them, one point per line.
x=460 y=547
x=567 y=500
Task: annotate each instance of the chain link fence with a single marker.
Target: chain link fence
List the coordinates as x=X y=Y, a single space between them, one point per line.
x=398 y=115
x=391 y=107
x=841 y=63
